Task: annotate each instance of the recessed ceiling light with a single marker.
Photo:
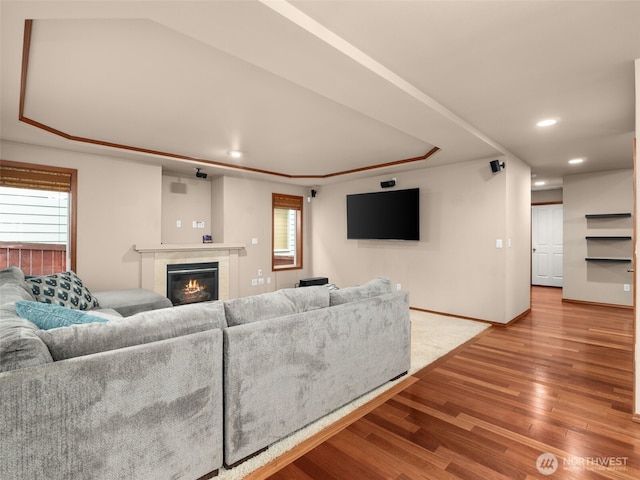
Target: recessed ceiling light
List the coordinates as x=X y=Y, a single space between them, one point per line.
x=546 y=123
x=539 y=184
x=575 y=161
x=235 y=153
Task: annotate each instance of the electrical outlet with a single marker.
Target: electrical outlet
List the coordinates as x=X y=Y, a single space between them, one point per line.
x=254 y=282
x=398 y=287
x=261 y=281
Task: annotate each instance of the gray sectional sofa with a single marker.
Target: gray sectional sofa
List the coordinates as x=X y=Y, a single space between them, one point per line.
x=178 y=392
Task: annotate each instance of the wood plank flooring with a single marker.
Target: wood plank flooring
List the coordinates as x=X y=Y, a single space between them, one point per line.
x=557 y=382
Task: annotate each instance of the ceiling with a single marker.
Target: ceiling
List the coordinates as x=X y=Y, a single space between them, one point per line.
x=319 y=91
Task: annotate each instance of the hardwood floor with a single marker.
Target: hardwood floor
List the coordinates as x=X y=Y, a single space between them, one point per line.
x=557 y=382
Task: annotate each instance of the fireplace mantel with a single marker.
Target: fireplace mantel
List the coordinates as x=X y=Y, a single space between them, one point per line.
x=155 y=258
x=164 y=247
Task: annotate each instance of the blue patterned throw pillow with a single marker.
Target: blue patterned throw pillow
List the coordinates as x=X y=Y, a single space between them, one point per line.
x=64 y=289
x=47 y=316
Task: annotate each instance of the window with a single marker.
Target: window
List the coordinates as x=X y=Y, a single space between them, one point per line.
x=34 y=216
x=286 y=231
x=37 y=217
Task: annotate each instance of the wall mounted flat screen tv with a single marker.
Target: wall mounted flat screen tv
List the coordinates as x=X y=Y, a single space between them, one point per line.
x=391 y=215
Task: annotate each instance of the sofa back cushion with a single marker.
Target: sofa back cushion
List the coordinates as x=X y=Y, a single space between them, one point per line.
x=275 y=304
x=15 y=292
x=13 y=286
x=11 y=275
x=378 y=286
x=20 y=347
x=144 y=327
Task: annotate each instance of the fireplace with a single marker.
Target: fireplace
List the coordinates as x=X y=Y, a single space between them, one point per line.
x=192 y=282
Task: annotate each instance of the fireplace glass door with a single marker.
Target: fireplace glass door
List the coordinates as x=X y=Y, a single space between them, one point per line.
x=192 y=282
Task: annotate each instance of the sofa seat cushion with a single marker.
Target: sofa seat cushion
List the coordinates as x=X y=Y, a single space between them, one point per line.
x=265 y=306
x=131 y=301
x=20 y=347
x=374 y=288
x=144 y=327
x=65 y=289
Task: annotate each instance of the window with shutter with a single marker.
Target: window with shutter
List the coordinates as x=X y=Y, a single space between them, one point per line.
x=287 y=231
x=37 y=217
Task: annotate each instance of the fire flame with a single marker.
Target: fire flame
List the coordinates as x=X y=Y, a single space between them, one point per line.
x=192 y=287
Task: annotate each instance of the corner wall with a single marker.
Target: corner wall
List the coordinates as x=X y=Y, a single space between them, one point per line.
x=246 y=205
x=455 y=268
x=185 y=200
x=518 y=238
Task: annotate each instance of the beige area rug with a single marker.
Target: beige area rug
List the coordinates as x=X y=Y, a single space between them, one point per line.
x=432 y=336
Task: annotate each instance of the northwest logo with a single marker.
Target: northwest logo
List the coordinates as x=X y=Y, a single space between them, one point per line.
x=547 y=464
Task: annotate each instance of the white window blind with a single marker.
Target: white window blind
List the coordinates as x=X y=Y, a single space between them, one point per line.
x=34 y=216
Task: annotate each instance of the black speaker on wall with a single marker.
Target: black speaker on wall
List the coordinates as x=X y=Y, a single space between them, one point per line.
x=496 y=166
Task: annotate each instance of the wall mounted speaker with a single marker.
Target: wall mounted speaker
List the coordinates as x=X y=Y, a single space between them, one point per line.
x=496 y=166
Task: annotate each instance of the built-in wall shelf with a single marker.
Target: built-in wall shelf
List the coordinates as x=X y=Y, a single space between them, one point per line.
x=606 y=259
x=606 y=246
x=608 y=237
x=607 y=215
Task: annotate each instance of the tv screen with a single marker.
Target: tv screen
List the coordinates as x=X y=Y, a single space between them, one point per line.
x=392 y=215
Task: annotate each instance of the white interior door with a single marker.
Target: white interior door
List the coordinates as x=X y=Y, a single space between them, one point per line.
x=546 y=243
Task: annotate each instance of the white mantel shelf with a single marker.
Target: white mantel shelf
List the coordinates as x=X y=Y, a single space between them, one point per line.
x=187 y=247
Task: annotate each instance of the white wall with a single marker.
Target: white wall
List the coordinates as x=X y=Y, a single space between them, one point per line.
x=455 y=268
x=593 y=193
x=186 y=199
x=119 y=206
x=247 y=215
